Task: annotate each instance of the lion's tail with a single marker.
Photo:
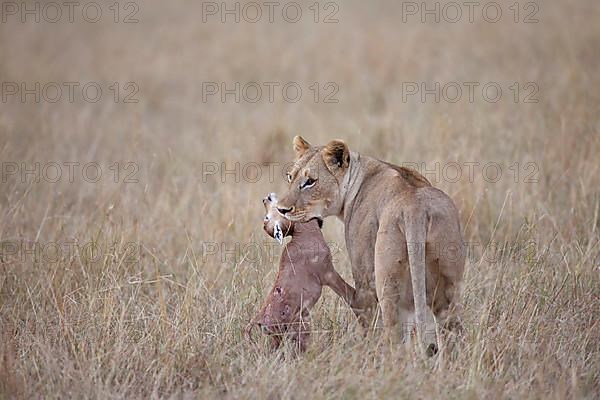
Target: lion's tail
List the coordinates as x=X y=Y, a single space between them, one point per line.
x=416 y=235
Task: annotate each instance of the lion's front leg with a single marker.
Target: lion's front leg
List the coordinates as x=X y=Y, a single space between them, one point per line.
x=360 y=242
x=365 y=305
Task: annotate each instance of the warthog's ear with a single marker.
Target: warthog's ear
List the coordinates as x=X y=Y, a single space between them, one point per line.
x=300 y=146
x=336 y=155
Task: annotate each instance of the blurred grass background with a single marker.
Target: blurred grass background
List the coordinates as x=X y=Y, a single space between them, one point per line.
x=165 y=320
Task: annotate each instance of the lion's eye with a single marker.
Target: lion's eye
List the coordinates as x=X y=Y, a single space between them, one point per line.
x=289 y=177
x=309 y=182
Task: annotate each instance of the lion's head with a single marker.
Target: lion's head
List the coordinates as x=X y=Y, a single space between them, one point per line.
x=315 y=181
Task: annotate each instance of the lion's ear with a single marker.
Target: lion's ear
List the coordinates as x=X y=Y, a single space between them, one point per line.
x=336 y=155
x=300 y=146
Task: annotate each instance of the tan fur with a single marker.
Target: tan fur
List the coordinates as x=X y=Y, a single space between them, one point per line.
x=403 y=235
x=305 y=267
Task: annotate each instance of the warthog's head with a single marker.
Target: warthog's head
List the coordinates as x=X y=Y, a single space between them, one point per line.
x=275 y=224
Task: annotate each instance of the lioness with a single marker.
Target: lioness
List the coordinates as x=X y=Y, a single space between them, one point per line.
x=399 y=230
x=305 y=267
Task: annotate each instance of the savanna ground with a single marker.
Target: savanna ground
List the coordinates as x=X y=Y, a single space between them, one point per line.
x=137 y=284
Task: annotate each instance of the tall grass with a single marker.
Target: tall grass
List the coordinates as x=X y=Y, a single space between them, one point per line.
x=155 y=278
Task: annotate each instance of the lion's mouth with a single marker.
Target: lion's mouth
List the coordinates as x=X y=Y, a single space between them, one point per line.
x=303 y=216
x=297 y=216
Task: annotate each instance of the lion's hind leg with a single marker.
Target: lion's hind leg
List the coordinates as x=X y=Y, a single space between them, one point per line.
x=392 y=282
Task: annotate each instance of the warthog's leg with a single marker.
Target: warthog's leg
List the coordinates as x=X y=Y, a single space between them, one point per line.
x=332 y=279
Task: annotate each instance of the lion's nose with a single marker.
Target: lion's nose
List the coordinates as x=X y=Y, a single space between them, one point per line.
x=284 y=210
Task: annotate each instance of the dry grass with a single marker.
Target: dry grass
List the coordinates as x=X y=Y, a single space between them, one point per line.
x=164 y=318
